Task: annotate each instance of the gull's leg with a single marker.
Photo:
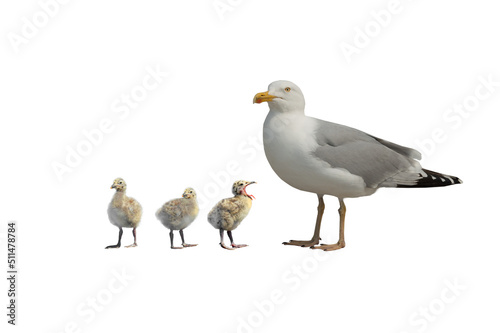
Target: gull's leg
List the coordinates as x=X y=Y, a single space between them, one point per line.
x=237 y=246
x=172 y=241
x=119 y=241
x=135 y=243
x=341 y=243
x=221 y=231
x=181 y=232
x=315 y=239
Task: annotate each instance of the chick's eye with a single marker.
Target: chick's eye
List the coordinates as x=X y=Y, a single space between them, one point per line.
x=121 y=183
x=287 y=89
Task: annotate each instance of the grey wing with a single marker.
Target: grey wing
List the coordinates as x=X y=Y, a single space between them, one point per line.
x=336 y=134
x=378 y=162
x=405 y=151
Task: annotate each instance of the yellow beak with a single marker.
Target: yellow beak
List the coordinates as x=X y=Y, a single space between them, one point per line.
x=263 y=97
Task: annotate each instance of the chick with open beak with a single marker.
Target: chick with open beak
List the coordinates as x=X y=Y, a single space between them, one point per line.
x=228 y=213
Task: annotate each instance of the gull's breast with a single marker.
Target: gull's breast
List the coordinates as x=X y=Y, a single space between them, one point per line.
x=289 y=143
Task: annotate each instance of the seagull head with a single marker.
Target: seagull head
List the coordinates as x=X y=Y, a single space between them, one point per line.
x=119 y=184
x=282 y=96
x=239 y=188
x=189 y=193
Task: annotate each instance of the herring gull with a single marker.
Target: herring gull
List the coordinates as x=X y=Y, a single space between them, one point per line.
x=325 y=158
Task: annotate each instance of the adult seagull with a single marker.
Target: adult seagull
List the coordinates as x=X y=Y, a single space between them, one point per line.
x=317 y=156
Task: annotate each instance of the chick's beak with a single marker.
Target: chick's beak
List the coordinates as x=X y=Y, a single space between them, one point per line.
x=245 y=192
x=249 y=183
x=113 y=186
x=263 y=97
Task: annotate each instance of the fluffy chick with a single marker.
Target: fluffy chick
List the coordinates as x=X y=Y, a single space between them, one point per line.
x=228 y=213
x=123 y=211
x=178 y=214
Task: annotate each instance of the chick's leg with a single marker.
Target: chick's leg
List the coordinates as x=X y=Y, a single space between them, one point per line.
x=172 y=241
x=181 y=232
x=236 y=246
x=119 y=241
x=135 y=239
x=221 y=231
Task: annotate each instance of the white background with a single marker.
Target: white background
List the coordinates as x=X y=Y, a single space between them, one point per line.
x=402 y=245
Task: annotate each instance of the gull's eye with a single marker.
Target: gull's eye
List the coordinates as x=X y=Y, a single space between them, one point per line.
x=287 y=89
x=121 y=183
x=190 y=191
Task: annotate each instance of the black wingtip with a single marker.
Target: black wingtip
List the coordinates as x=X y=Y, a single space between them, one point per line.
x=433 y=179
